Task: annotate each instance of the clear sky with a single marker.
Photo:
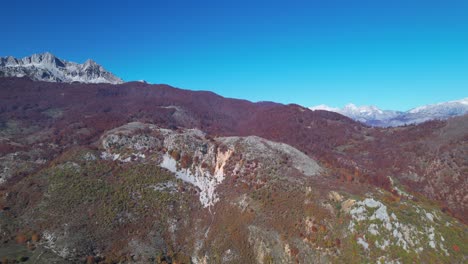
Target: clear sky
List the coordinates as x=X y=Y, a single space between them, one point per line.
x=396 y=54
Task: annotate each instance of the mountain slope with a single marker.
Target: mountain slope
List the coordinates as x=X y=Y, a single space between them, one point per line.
x=374 y=116
x=57 y=111
x=47 y=67
x=139 y=173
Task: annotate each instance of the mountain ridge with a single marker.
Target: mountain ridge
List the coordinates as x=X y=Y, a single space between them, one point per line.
x=48 y=67
x=374 y=116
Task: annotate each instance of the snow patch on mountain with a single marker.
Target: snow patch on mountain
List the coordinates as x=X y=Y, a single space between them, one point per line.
x=325 y=108
x=49 y=68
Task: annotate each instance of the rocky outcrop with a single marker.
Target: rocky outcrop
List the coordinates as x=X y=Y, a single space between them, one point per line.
x=201 y=161
x=47 y=67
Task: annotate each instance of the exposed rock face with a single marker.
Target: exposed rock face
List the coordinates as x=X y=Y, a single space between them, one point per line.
x=47 y=67
x=383 y=229
x=270 y=153
x=200 y=161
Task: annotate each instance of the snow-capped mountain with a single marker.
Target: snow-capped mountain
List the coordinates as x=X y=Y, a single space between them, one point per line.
x=372 y=115
x=362 y=114
x=47 y=67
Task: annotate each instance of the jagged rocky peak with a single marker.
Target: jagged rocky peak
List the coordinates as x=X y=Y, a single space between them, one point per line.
x=46 y=57
x=47 y=67
x=8 y=61
x=90 y=63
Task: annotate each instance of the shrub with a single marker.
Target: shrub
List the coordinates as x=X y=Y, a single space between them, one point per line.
x=21 y=239
x=175 y=154
x=90 y=260
x=294 y=251
x=35 y=237
x=337 y=242
x=186 y=161
x=22 y=259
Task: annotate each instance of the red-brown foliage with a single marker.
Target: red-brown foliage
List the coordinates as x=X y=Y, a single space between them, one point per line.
x=35 y=237
x=365 y=155
x=185 y=161
x=21 y=239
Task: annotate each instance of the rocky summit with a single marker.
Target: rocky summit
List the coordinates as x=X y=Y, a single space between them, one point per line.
x=47 y=67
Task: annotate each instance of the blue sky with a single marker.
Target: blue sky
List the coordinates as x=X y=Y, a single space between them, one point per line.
x=394 y=54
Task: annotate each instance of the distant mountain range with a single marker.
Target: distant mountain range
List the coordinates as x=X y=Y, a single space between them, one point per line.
x=373 y=116
x=49 y=68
